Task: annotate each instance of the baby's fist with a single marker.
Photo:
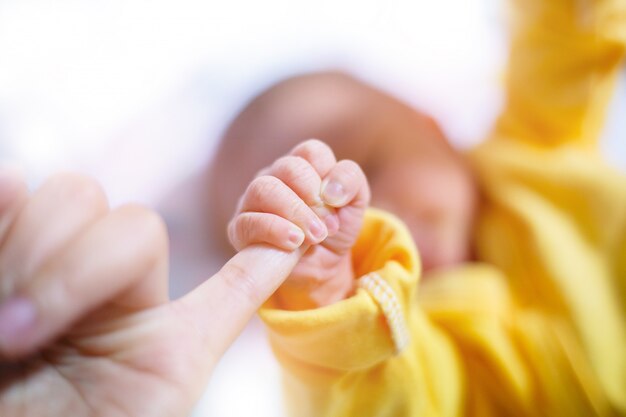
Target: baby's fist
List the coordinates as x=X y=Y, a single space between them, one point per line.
x=305 y=200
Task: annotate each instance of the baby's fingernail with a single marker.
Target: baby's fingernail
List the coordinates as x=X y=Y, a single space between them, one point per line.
x=17 y=316
x=318 y=230
x=296 y=237
x=333 y=193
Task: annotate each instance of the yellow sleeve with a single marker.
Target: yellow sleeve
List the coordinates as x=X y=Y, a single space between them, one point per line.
x=476 y=347
x=553 y=217
x=565 y=55
x=554 y=221
x=341 y=360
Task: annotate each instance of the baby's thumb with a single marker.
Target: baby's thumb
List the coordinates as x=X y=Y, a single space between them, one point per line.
x=346 y=189
x=223 y=305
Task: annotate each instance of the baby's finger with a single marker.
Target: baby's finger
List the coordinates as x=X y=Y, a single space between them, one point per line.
x=321 y=158
x=299 y=175
x=13 y=196
x=57 y=212
x=268 y=194
x=346 y=184
x=318 y=154
x=122 y=256
x=345 y=187
x=249 y=228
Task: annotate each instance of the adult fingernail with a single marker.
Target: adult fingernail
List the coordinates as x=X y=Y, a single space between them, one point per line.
x=296 y=237
x=318 y=230
x=17 y=316
x=333 y=193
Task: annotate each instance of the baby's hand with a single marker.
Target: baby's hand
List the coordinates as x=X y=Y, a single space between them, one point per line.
x=306 y=200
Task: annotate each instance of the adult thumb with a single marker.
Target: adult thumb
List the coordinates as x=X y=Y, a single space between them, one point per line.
x=223 y=305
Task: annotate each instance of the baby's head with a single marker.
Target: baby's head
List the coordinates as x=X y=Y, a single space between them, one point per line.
x=432 y=190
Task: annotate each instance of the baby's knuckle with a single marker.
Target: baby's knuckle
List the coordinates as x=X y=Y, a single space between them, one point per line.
x=287 y=164
x=296 y=212
x=352 y=169
x=264 y=187
x=237 y=230
x=273 y=227
x=315 y=145
x=281 y=163
x=248 y=225
x=295 y=170
x=232 y=231
x=263 y=172
x=314 y=148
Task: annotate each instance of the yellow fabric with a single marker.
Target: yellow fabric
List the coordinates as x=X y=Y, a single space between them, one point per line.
x=564 y=59
x=538 y=327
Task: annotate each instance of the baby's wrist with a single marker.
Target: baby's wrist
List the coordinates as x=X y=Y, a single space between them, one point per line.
x=308 y=289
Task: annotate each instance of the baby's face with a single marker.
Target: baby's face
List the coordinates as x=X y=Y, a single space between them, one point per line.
x=436 y=199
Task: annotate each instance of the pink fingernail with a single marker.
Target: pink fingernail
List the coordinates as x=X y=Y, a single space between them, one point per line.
x=334 y=193
x=17 y=316
x=318 y=230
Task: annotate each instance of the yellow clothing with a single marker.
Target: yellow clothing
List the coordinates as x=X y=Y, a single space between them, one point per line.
x=538 y=327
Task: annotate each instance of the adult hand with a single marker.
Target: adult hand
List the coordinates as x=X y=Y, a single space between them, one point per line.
x=86 y=326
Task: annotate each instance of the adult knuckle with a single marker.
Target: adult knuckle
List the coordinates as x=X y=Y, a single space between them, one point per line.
x=242 y=281
x=147 y=224
x=81 y=190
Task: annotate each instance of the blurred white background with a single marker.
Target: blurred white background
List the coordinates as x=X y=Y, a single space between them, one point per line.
x=136 y=93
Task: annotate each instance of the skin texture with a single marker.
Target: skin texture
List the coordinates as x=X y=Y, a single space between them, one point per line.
x=86 y=326
x=293 y=193
x=414 y=172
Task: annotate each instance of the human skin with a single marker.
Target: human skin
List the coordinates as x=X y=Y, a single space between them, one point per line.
x=292 y=193
x=86 y=326
x=413 y=171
